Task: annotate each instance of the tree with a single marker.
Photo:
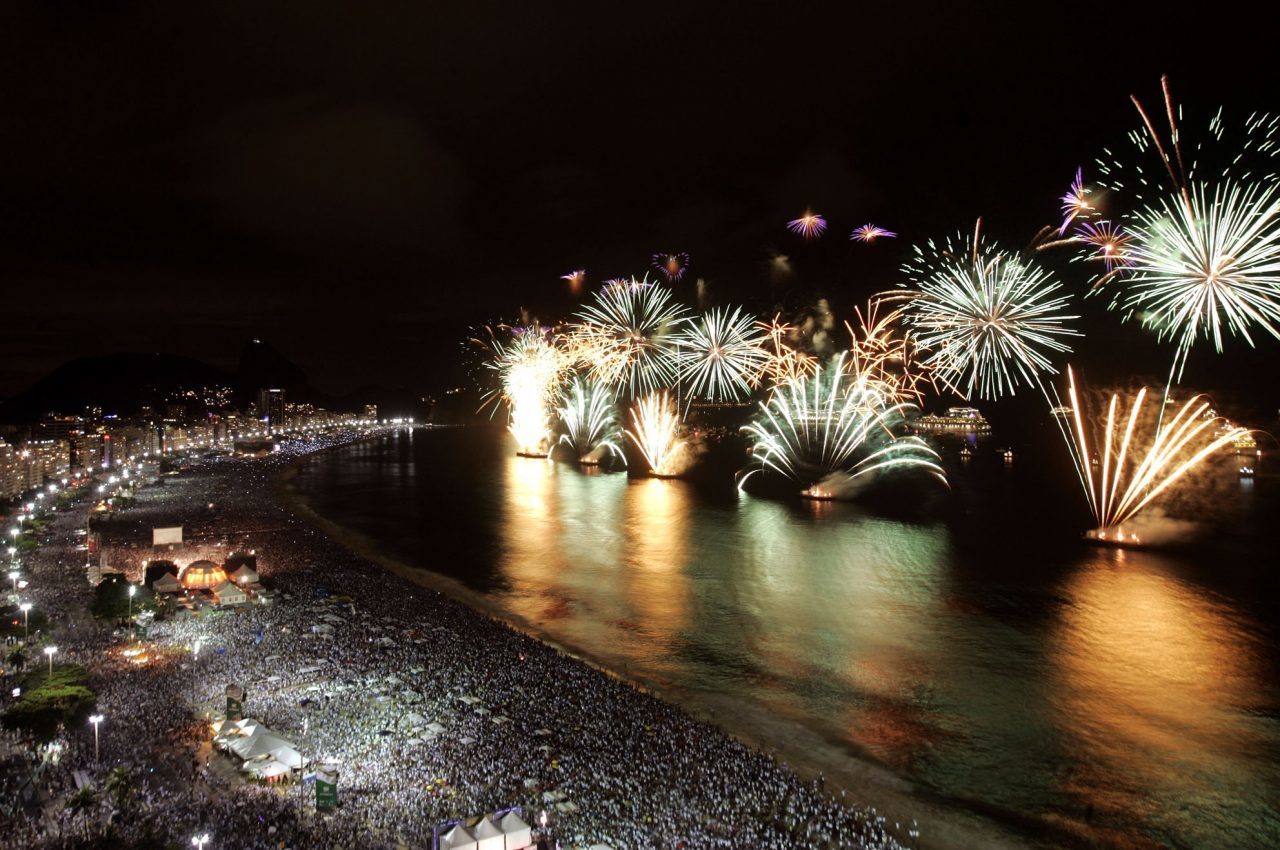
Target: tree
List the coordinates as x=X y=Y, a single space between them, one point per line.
x=48 y=701
x=83 y=803
x=18 y=657
x=111 y=599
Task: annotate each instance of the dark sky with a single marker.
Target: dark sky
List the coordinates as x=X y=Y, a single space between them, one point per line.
x=359 y=182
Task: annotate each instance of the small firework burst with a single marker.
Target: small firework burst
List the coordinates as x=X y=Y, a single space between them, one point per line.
x=870 y=233
x=671 y=266
x=575 y=279
x=810 y=225
x=1075 y=203
x=1108 y=240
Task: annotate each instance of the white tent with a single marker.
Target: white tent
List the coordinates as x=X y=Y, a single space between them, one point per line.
x=228 y=594
x=167 y=583
x=457 y=839
x=488 y=836
x=265 y=768
x=516 y=832
x=244 y=575
x=257 y=744
x=287 y=756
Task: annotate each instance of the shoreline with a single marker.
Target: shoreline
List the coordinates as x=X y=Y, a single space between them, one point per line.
x=943 y=823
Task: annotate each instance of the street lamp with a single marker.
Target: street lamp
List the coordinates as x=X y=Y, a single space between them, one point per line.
x=13 y=577
x=198 y=841
x=133 y=589
x=25 y=607
x=95 y=719
x=50 y=651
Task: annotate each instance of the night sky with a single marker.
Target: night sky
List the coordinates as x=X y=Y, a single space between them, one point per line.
x=357 y=183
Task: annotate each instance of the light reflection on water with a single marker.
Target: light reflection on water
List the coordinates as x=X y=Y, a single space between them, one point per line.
x=1099 y=690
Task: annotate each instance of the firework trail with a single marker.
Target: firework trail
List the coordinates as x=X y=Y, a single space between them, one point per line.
x=883 y=353
x=810 y=225
x=988 y=319
x=870 y=233
x=625 y=337
x=720 y=355
x=591 y=425
x=783 y=362
x=671 y=266
x=575 y=279
x=1124 y=465
x=656 y=433
x=1201 y=257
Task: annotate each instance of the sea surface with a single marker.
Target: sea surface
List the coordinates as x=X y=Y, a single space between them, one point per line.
x=978 y=653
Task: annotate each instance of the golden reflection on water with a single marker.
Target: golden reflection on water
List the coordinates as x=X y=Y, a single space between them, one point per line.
x=591 y=558
x=1154 y=677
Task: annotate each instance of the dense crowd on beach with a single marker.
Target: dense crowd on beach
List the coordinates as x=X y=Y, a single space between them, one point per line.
x=432 y=711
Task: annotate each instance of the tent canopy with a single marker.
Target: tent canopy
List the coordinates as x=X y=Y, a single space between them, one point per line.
x=457 y=839
x=516 y=832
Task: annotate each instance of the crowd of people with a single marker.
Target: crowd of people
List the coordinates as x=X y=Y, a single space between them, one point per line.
x=432 y=711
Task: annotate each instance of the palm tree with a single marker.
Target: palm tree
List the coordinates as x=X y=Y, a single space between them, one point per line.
x=117 y=787
x=83 y=803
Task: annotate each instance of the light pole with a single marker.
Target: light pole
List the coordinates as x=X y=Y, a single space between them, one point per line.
x=50 y=651
x=95 y=719
x=25 y=607
x=13 y=577
x=198 y=841
x=133 y=589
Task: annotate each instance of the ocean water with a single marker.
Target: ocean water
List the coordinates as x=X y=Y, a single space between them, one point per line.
x=977 y=652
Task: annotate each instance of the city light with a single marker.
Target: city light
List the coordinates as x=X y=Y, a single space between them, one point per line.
x=95 y=719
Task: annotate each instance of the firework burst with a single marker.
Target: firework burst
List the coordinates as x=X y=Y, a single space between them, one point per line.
x=625 y=337
x=590 y=422
x=671 y=266
x=531 y=366
x=832 y=430
x=1110 y=244
x=575 y=279
x=810 y=225
x=1201 y=259
x=656 y=433
x=1075 y=203
x=1124 y=465
x=870 y=233
x=719 y=355
x=988 y=319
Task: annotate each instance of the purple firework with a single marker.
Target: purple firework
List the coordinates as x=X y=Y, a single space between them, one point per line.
x=810 y=225
x=870 y=233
